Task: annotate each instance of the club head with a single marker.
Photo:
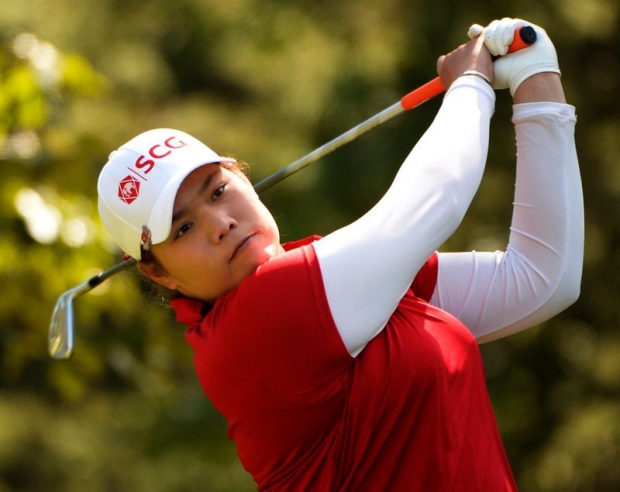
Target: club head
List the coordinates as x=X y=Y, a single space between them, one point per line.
x=60 y=344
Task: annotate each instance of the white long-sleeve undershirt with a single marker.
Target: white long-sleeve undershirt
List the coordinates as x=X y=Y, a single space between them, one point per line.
x=368 y=265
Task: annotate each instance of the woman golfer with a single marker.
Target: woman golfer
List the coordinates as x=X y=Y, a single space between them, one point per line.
x=351 y=362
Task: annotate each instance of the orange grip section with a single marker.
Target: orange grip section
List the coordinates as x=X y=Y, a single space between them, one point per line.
x=524 y=37
x=422 y=94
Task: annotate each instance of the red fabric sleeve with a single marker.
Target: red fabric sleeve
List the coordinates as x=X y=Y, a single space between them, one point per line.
x=425 y=281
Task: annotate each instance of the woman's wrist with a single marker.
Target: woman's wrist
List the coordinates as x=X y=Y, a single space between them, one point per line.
x=541 y=87
x=476 y=73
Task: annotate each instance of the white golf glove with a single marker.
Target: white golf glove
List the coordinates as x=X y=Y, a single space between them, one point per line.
x=513 y=69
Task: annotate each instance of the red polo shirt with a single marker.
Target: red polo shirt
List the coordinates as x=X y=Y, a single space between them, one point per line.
x=410 y=413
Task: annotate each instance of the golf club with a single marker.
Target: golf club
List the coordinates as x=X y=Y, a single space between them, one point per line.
x=60 y=343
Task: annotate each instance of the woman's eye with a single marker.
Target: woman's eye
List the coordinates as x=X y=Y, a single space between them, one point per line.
x=218 y=191
x=183 y=229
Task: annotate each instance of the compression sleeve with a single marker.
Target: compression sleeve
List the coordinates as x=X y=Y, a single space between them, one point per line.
x=539 y=275
x=368 y=265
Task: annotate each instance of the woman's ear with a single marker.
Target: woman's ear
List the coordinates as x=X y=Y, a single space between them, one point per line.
x=157 y=274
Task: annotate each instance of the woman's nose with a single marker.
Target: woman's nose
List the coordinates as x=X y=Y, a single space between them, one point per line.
x=221 y=227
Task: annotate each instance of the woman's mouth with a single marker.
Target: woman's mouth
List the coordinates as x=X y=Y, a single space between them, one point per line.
x=241 y=246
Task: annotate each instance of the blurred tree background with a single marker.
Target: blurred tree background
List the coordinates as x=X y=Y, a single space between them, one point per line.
x=268 y=82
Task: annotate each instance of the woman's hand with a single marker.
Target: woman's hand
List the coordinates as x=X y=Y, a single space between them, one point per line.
x=471 y=56
x=532 y=74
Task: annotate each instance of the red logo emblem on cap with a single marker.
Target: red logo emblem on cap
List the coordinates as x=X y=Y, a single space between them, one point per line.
x=128 y=189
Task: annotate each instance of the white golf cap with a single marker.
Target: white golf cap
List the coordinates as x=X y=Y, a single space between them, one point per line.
x=138 y=185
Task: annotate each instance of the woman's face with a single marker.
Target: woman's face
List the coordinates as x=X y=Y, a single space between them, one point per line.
x=221 y=232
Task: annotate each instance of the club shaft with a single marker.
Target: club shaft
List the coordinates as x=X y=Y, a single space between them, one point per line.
x=330 y=146
x=97 y=279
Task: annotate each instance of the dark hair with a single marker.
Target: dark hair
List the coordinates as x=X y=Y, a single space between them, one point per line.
x=154 y=290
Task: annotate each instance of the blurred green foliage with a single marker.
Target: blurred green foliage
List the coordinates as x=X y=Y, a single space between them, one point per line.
x=267 y=82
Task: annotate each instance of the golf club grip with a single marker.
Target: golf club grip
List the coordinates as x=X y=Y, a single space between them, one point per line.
x=524 y=37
